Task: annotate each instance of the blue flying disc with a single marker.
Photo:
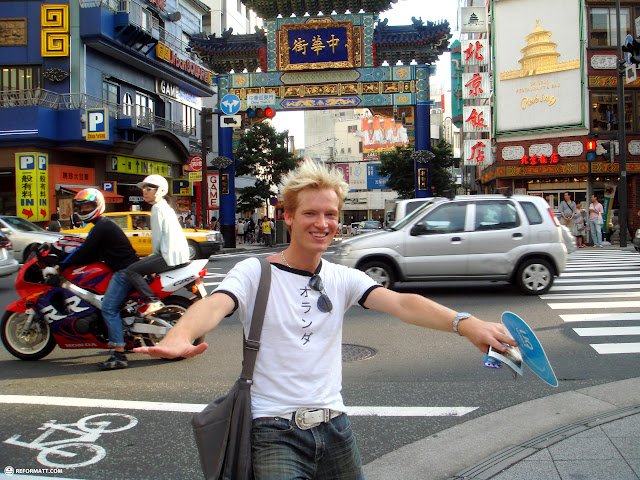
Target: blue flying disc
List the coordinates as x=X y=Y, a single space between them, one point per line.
x=532 y=352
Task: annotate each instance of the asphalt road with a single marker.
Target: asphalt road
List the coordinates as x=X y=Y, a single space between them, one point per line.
x=144 y=432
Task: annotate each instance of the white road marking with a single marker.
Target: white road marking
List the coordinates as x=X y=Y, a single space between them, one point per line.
x=616 y=273
x=600 y=317
x=607 y=331
x=576 y=289
x=593 y=305
x=197 y=407
x=612 y=348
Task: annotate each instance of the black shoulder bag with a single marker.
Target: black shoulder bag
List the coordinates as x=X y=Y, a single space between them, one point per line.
x=223 y=429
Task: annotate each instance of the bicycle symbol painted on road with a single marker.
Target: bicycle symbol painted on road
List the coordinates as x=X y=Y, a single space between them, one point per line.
x=79 y=449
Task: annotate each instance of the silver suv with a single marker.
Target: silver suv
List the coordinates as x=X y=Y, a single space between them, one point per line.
x=479 y=237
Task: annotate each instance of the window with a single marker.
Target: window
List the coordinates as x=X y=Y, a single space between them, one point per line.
x=349 y=150
x=532 y=213
x=189 y=115
x=496 y=216
x=22 y=77
x=145 y=108
x=110 y=95
x=352 y=129
x=448 y=218
x=127 y=103
x=604 y=111
x=602 y=25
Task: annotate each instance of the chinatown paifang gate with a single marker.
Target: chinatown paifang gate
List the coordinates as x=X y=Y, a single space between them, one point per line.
x=327 y=61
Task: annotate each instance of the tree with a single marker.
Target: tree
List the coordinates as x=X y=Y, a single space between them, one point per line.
x=441 y=168
x=398 y=166
x=262 y=153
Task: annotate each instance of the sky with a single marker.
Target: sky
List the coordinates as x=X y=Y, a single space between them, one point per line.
x=399 y=14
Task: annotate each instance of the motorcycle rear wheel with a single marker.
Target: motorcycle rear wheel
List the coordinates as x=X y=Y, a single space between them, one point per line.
x=36 y=344
x=174 y=308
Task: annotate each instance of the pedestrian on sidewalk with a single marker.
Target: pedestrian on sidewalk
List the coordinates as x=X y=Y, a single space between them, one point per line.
x=266 y=231
x=579 y=225
x=596 y=210
x=296 y=399
x=567 y=211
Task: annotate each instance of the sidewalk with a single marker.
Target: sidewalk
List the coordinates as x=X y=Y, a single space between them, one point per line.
x=592 y=434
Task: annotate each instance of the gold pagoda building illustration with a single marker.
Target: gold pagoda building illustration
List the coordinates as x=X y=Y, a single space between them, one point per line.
x=539 y=56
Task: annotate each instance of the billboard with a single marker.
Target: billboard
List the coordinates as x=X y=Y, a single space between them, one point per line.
x=537 y=64
x=382 y=134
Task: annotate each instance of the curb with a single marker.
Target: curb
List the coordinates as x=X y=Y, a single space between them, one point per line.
x=507 y=457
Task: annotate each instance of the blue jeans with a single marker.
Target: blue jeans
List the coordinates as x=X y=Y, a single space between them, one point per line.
x=112 y=301
x=596 y=233
x=281 y=451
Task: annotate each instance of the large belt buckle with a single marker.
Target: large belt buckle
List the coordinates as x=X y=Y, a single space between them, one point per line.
x=300 y=420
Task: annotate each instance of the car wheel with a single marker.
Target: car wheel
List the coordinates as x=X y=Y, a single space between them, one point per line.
x=535 y=276
x=194 y=250
x=380 y=271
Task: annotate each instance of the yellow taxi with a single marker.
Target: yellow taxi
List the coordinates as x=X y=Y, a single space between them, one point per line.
x=137 y=228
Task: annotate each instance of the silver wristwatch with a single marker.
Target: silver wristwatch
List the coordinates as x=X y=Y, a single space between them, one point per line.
x=456 y=321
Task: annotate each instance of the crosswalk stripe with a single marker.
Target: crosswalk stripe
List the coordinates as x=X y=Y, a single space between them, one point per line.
x=606 y=331
x=593 y=305
x=600 y=317
x=617 y=273
x=612 y=348
x=600 y=274
x=579 y=287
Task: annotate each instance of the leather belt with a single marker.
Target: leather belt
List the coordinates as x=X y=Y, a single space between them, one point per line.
x=306 y=418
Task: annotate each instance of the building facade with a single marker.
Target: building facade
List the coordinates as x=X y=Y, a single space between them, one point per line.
x=98 y=93
x=554 y=80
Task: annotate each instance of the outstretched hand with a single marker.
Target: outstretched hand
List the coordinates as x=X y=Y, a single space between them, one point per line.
x=172 y=350
x=485 y=334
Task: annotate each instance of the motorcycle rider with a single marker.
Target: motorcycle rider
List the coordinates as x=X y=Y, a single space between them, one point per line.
x=105 y=242
x=169 y=245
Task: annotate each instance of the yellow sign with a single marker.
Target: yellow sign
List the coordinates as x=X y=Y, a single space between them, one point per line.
x=195 y=177
x=32 y=186
x=139 y=166
x=55 y=30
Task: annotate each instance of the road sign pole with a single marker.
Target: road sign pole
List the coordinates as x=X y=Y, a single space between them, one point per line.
x=622 y=140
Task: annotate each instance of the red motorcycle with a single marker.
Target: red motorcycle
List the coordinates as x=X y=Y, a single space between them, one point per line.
x=66 y=310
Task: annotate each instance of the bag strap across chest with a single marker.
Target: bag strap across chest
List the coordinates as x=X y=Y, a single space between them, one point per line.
x=252 y=344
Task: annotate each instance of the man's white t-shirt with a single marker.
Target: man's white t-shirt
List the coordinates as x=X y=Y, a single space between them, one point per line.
x=300 y=359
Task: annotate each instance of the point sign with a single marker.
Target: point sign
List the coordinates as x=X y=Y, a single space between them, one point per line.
x=230 y=104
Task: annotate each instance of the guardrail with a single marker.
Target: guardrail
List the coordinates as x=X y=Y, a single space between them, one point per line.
x=140 y=116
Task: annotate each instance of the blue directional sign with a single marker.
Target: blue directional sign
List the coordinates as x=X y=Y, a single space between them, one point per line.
x=230 y=104
x=530 y=347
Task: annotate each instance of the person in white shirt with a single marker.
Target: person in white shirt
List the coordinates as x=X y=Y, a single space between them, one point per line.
x=169 y=245
x=297 y=405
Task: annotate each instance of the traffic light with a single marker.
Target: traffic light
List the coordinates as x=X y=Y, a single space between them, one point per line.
x=259 y=114
x=633 y=49
x=609 y=153
x=591 y=150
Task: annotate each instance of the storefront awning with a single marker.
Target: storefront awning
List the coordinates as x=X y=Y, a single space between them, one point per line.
x=109 y=197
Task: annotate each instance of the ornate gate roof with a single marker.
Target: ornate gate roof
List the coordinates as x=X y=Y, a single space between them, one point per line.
x=272 y=8
x=421 y=42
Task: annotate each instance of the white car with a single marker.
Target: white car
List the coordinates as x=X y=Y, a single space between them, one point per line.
x=25 y=236
x=474 y=237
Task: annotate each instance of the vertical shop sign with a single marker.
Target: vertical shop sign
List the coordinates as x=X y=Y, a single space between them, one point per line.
x=213 y=190
x=32 y=186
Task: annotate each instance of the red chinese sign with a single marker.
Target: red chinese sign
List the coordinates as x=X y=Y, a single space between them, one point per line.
x=539 y=160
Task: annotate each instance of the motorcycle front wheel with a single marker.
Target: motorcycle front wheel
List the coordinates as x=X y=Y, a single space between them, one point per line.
x=34 y=344
x=174 y=308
